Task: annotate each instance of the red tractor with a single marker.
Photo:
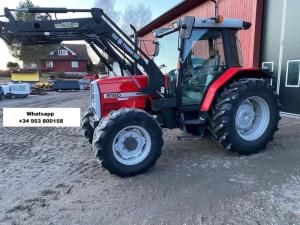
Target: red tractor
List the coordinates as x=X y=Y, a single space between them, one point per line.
x=194 y=82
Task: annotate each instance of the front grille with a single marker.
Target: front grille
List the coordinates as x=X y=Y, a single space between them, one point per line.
x=95 y=98
x=92 y=95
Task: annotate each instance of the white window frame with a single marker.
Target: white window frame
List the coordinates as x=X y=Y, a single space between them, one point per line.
x=272 y=69
x=74 y=64
x=49 y=64
x=62 y=52
x=287 y=72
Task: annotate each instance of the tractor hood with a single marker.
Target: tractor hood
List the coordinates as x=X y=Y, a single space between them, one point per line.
x=114 y=93
x=122 y=84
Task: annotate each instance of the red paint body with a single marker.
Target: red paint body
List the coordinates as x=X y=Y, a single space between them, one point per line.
x=219 y=83
x=91 y=77
x=127 y=85
x=122 y=85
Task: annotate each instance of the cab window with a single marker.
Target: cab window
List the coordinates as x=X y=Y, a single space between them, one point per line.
x=168 y=58
x=203 y=61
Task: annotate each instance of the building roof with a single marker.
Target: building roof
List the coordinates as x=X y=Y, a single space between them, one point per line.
x=80 y=51
x=171 y=14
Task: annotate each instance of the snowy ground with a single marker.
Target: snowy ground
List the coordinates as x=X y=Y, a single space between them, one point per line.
x=50 y=176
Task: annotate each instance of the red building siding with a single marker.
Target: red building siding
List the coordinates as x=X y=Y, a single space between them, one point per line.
x=247 y=10
x=65 y=65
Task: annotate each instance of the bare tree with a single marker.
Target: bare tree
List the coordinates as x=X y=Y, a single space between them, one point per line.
x=108 y=7
x=137 y=15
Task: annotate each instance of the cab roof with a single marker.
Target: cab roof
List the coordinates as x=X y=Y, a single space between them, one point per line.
x=226 y=23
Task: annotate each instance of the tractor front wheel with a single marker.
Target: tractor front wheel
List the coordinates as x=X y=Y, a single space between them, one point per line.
x=245 y=116
x=128 y=142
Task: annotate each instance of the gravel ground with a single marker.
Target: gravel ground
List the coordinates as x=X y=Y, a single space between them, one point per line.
x=49 y=176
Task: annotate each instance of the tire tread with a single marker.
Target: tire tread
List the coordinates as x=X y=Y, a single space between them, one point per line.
x=103 y=131
x=222 y=111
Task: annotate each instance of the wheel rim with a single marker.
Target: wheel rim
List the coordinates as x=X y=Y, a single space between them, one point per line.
x=252 y=118
x=131 y=145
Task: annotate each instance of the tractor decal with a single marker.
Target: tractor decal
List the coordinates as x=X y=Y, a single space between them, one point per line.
x=123 y=95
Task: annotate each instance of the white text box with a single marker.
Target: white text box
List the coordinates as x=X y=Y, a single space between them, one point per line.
x=41 y=117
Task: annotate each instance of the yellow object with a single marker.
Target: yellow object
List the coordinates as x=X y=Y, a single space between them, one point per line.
x=44 y=85
x=23 y=76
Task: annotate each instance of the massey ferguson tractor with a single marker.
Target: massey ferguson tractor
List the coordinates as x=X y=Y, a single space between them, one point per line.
x=194 y=81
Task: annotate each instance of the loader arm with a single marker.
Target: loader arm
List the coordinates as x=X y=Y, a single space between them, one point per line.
x=98 y=30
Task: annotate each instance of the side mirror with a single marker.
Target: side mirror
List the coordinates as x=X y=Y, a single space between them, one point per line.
x=156 y=48
x=187 y=27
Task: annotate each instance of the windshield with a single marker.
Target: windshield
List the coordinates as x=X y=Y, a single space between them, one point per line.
x=203 y=61
x=168 y=54
x=202 y=46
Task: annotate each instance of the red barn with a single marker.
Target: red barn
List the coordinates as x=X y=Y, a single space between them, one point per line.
x=68 y=59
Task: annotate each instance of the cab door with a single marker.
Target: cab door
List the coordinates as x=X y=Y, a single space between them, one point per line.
x=167 y=60
x=203 y=61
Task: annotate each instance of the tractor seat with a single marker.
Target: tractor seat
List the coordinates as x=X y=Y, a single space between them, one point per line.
x=208 y=71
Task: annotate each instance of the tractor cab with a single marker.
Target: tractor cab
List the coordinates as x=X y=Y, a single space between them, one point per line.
x=195 y=52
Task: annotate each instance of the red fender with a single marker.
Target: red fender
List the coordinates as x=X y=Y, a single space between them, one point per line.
x=219 y=83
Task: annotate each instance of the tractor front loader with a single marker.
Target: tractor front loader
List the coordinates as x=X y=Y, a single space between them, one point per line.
x=194 y=81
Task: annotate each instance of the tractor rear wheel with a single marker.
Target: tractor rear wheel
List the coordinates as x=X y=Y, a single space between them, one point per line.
x=245 y=116
x=86 y=127
x=128 y=142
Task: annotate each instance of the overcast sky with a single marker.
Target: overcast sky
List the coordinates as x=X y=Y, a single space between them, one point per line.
x=158 y=7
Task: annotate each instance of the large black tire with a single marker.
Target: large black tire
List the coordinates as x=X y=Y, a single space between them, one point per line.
x=223 y=114
x=109 y=128
x=87 y=129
